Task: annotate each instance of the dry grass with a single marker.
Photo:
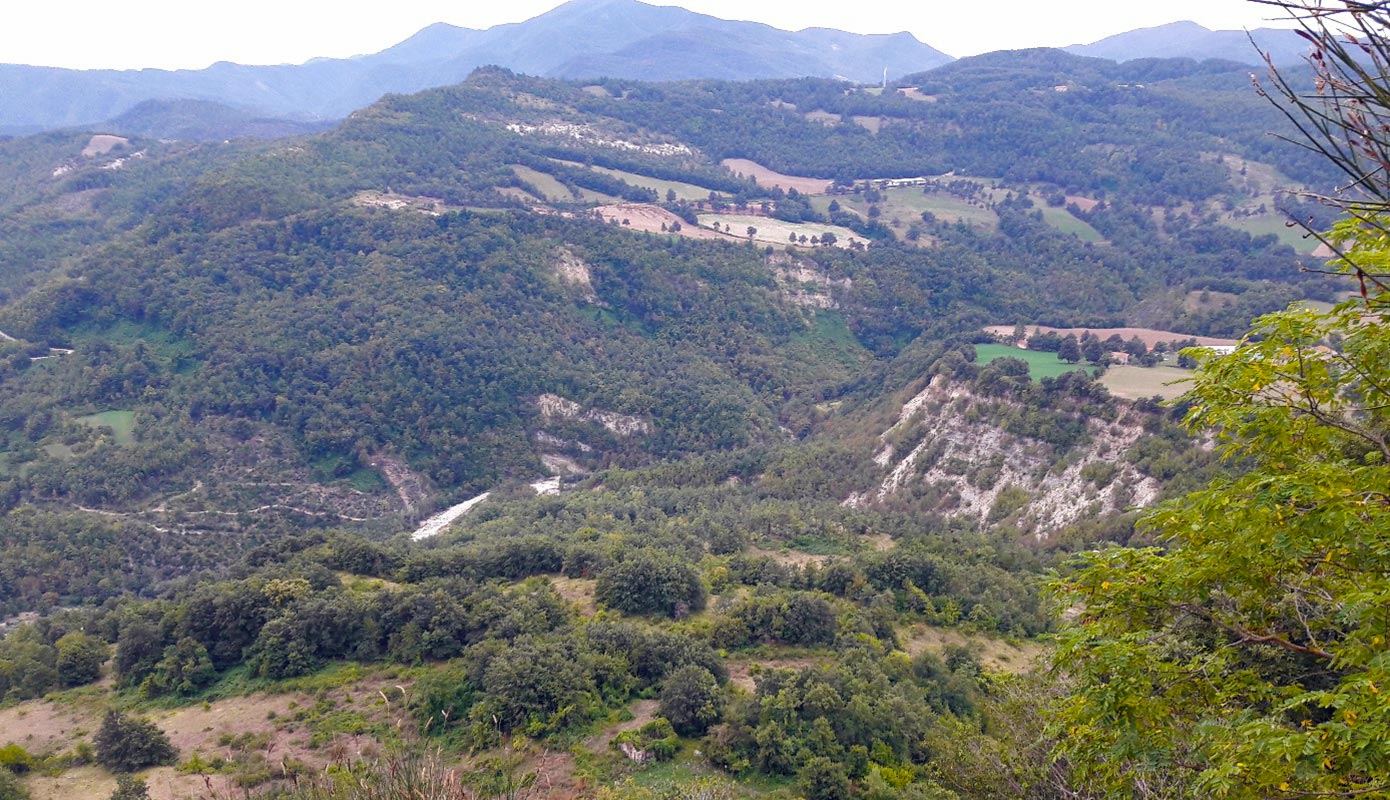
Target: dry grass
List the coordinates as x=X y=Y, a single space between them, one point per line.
x=42 y=727
x=997 y=655
x=579 y=591
x=870 y=124
x=1082 y=202
x=769 y=179
x=775 y=231
x=1134 y=383
x=741 y=670
x=648 y=218
x=79 y=783
x=790 y=558
x=103 y=143
x=912 y=93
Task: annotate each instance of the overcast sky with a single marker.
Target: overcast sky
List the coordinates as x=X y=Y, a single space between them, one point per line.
x=194 y=33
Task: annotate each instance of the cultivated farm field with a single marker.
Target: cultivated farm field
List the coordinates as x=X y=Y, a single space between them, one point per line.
x=775 y=231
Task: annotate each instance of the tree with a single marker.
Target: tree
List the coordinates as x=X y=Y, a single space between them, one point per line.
x=690 y=700
x=80 y=658
x=185 y=669
x=129 y=787
x=1246 y=656
x=752 y=231
x=127 y=744
x=823 y=779
x=651 y=582
x=1070 y=349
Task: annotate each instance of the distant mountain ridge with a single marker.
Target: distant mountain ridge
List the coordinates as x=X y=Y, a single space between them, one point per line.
x=580 y=39
x=1189 y=40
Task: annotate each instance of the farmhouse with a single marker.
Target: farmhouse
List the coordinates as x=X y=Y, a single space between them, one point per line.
x=894 y=183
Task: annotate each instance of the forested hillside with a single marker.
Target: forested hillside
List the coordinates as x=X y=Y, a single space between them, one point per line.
x=736 y=492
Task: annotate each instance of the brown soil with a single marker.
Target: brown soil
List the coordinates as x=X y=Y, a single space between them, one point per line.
x=1083 y=203
x=42 y=727
x=769 y=179
x=643 y=217
x=741 y=672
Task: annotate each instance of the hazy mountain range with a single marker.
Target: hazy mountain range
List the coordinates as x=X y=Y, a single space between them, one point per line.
x=580 y=39
x=1190 y=40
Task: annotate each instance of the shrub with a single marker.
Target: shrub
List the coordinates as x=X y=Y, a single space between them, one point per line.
x=127 y=744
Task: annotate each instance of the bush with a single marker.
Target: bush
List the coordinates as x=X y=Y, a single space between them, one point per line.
x=651 y=583
x=11 y=788
x=690 y=700
x=127 y=744
x=129 y=787
x=80 y=658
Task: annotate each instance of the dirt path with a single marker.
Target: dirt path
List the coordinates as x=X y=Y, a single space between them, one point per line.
x=643 y=711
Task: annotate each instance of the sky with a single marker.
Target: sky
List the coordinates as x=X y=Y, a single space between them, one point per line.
x=191 y=34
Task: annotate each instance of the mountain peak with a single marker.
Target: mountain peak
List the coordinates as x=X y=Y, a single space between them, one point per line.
x=1187 y=39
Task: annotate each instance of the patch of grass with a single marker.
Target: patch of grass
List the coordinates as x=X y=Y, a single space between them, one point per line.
x=121 y=423
x=366 y=480
x=161 y=343
x=684 y=191
x=1062 y=220
x=829 y=335
x=1137 y=382
x=1274 y=223
x=906 y=204
x=60 y=451
x=545 y=183
x=1040 y=364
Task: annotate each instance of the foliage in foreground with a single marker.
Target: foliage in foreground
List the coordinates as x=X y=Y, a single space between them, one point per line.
x=1248 y=657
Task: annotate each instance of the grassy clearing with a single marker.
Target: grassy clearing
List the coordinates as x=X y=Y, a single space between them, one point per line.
x=1062 y=220
x=906 y=204
x=775 y=231
x=546 y=184
x=1137 y=382
x=997 y=655
x=1274 y=223
x=157 y=341
x=684 y=191
x=769 y=178
x=1040 y=364
x=121 y=423
x=829 y=335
